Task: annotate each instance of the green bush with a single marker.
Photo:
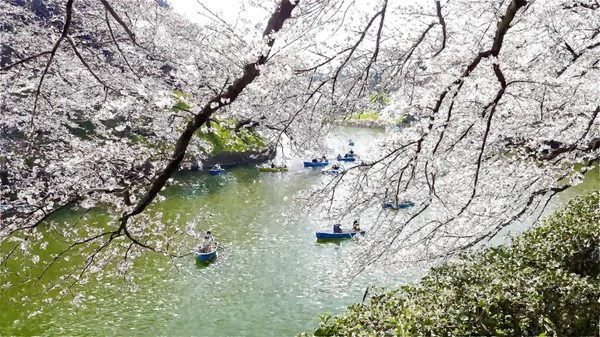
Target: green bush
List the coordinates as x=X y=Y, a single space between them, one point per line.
x=225 y=140
x=546 y=283
x=220 y=138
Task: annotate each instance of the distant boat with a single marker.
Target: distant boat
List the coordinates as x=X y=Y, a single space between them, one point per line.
x=272 y=169
x=404 y=204
x=347 y=158
x=203 y=257
x=214 y=172
x=332 y=235
x=316 y=164
x=332 y=171
x=351 y=143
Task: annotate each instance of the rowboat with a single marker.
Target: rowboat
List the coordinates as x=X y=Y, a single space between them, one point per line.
x=346 y=159
x=405 y=204
x=332 y=171
x=272 y=169
x=203 y=257
x=317 y=164
x=351 y=144
x=332 y=235
x=214 y=172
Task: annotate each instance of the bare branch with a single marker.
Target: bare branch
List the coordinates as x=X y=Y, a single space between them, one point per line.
x=119 y=20
x=64 y=33
x=27 y=59
x=438 y=7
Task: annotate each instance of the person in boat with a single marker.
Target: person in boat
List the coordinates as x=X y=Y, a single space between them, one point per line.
x=208 y=242
x=337 y=228
x=314 y=160
x=335 y=167
x=346 y=155
x=323 y=158
x=355 y=226
x=392 y=204
x=351 y=153
x=339 y=156
x=217 y=167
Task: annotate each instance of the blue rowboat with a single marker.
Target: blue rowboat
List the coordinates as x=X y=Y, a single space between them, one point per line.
x=351 y=144
x=317 y=164
x=203 y=257
x=214 y=172
x=347 y=159
x=332 y=235
x=400 y=205
x=332 y=171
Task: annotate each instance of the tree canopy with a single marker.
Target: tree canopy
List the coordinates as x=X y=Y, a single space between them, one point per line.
x=504 y=94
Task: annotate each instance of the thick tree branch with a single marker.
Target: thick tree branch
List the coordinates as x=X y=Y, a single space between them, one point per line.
x=251 y=72
x=438 y=7
x=378 y=41
x=119 y=20
x=64 y=33
x=570 y=49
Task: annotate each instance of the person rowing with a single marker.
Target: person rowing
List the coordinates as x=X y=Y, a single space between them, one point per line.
x=207 y=244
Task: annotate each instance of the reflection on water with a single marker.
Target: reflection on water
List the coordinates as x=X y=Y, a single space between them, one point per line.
x=271 y=276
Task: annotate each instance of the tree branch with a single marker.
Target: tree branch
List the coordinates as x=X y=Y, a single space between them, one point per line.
x=251 y=72
x=438 y=7
x=119 y=20
x=27 y=59
x=64 y=33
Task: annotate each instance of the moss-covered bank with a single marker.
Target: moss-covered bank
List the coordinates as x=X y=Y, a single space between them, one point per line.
x=546 y=283
x=225 y=141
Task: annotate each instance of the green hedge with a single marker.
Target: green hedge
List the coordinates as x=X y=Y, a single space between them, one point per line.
x=545 y=283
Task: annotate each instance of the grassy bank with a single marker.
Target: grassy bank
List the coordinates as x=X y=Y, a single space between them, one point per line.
x=546 y=283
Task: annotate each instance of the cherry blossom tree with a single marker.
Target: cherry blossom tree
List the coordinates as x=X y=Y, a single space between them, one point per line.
x=503 y=92
x=506 y=100
x=91 y=119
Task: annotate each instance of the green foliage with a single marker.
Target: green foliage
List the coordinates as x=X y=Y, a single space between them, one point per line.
x=380 y=98
x=162 y=145
x=366 y=115
x=83 y=130
x=181 y=99
x=404 y=120
x=221 y=138
x=224 y=139
x=546 y=283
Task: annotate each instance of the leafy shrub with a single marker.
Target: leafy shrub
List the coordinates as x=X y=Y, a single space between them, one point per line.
x=546 y=283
